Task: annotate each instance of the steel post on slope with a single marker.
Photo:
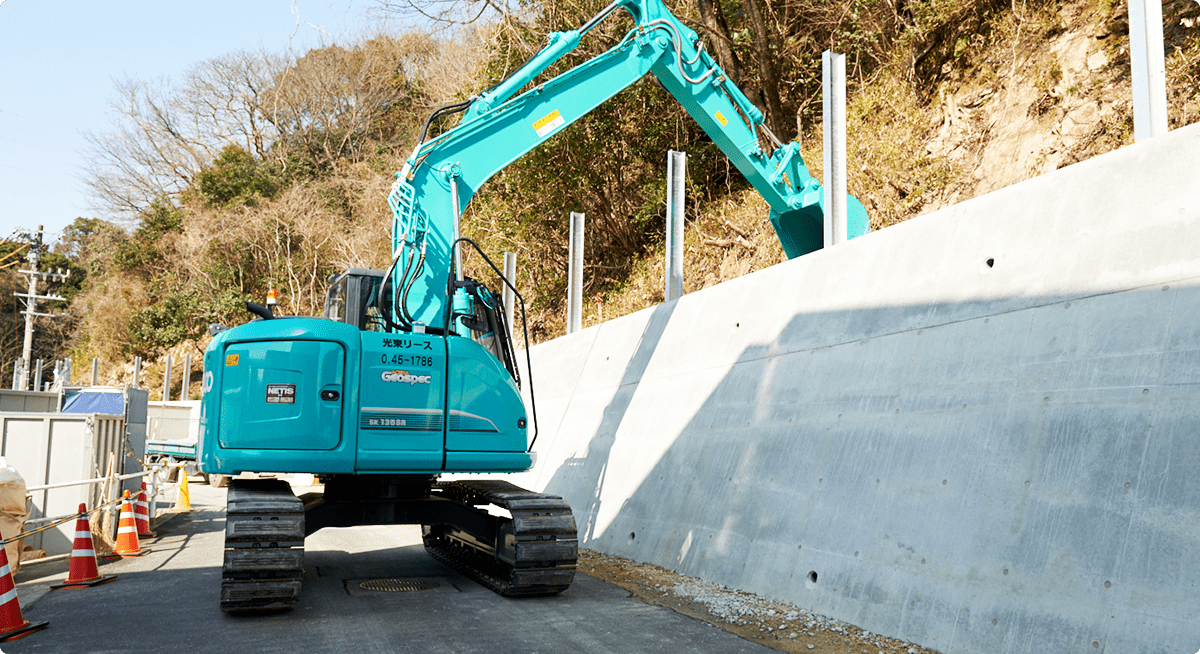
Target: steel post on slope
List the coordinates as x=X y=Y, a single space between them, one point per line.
x=833 y=104
x=166 y=394
x=575 y=274
x=137 y=372
x=95 y=371
x=510 y=298
x=187 y=377
x=1148 y=66
x=676 y=184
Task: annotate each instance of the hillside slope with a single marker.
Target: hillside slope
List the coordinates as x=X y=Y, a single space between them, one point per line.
x=978 y=97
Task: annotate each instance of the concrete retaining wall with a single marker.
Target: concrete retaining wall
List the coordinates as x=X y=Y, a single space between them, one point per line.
x=978 y=430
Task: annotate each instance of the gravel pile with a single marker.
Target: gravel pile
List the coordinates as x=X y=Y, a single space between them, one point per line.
x=779 y=620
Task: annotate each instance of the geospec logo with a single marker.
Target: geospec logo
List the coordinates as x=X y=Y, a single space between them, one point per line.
x=404 y=377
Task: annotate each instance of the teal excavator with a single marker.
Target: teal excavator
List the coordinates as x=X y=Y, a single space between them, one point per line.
x=411 y=373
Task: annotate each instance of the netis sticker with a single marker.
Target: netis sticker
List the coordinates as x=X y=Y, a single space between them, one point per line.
x=548 y=123
x=281 y=393
x=403 y=377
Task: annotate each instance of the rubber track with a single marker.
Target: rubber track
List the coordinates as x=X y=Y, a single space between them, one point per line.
x=537 y=519
x=264 y=547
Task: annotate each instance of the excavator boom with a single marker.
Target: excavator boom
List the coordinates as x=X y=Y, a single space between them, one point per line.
x=444 y=173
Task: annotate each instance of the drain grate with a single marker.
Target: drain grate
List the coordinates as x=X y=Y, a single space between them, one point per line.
x=398 y=585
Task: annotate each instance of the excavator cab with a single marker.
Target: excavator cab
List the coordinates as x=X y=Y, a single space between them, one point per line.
x=353 y=298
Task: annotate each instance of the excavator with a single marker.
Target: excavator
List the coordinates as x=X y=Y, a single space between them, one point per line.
x=411 y=373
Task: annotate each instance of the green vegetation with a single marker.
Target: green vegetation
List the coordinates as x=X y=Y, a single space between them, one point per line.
x=285 y=183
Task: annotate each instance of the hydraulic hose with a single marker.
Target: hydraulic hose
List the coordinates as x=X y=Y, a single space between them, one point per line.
x=445 y=110
x=385 y=311
x=408 y=282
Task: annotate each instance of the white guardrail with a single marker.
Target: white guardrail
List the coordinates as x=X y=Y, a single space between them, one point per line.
x=153 y=492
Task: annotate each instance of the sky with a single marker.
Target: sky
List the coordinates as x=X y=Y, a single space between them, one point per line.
x=60 y=58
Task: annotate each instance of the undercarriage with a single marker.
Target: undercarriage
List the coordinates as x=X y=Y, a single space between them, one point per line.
x=525 y=545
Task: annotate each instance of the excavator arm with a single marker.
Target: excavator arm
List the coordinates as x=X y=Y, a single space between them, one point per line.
x=444 y=173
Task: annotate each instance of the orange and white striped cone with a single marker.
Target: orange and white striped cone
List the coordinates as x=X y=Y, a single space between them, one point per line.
x=127 y=538
x=141 y=514
x=83 y=571
x=13 y=625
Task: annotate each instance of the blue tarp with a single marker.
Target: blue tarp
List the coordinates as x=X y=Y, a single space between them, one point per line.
x=108 y=403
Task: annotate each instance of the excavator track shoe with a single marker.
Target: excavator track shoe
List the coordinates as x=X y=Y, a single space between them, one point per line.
x=539 y=543
x=264 y=546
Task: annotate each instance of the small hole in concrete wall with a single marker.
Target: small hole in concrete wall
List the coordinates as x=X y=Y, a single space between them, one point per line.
x=856 y=554
x=922 y=561
x=799 y=547
x=812 y=576
x=990 y=262
x=633 y=536
x=1027 y=484
x=944 y=482
x=994 y=621
x=737 y=324
x=1095 y=644
x=1166 y=287
x=1145 y=391
x=1005 y=570
x=1108 y=584
x=1127 y=484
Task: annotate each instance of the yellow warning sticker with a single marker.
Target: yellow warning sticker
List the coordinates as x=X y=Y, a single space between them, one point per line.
x=721 y=119
x=548 y=123
x=231 y=359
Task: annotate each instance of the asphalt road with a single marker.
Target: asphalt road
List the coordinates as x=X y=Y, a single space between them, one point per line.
x=167 y=601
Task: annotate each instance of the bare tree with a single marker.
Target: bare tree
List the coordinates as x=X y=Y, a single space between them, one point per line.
x=164 y=134
x=331 y=98
x=326 y=103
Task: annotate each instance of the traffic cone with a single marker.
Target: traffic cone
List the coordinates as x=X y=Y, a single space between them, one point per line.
x=185 y=496
x=83 y=571
x=127 y=538
x=13 y=625
x=141 y=513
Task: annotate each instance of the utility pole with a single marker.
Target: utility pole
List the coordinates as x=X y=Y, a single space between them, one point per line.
x=31 y=298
